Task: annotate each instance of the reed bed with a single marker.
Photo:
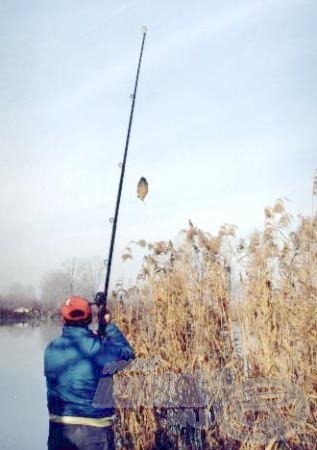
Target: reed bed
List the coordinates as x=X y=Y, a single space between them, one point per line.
x=239 y=309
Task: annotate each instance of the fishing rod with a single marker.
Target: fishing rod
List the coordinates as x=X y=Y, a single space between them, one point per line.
x=101 y=300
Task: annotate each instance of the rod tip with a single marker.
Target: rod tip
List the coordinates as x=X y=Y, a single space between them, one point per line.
x=144 y=29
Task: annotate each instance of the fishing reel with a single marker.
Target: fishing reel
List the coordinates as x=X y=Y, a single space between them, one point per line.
x=100 y=299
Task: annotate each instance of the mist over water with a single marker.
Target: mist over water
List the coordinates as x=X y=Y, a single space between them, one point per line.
x=23 y=413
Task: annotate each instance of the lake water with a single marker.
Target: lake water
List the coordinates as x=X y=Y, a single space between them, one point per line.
x=23 y=412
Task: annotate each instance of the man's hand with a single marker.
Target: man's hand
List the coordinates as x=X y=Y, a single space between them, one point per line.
x=107 y=317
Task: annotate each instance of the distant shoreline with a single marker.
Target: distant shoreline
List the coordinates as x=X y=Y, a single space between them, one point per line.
x=31 y=316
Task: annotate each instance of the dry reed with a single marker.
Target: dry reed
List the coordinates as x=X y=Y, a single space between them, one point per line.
x=189 y=301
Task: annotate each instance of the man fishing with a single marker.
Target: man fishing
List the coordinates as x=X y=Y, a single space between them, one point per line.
x=74 y=362
x=73 y=366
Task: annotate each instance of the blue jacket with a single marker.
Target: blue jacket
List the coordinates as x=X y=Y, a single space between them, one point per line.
x=73 y=365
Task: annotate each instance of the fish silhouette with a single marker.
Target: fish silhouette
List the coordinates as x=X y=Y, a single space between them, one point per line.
x=142 y=188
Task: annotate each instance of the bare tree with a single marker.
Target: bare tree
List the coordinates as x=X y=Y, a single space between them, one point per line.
x=55 y=287
x=70 y=269
x=89 y=276
x=20 y=295
x=76 y=277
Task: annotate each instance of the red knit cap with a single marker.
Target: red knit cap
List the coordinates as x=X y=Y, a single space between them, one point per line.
x=76 y=308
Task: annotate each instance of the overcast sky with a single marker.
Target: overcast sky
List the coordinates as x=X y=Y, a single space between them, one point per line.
x=225 y=121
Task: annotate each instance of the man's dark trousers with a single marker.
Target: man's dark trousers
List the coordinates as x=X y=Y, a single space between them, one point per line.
x=80 y=437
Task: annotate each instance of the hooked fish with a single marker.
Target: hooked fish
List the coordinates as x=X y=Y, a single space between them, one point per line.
x=142 y=188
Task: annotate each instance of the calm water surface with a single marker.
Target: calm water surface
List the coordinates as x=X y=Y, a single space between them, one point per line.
x=23 y=413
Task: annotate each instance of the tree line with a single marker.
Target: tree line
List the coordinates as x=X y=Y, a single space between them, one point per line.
x=76 y=275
